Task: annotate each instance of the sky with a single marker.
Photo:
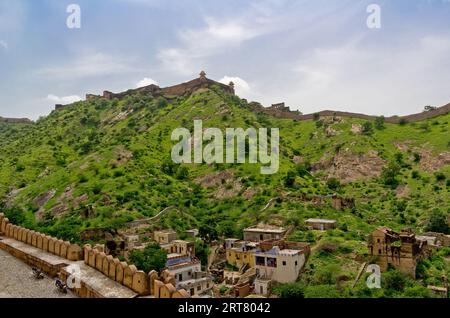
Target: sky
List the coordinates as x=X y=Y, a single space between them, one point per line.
x=313 y=55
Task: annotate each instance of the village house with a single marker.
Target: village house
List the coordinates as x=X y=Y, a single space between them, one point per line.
x=400 y=250
x=179 y=247
x=240 y=253
x=263 y=232
x=321 y=224
x=164 y=236
x=279 y=261
x=188 y=273
x=200 y=285
x=183 y=267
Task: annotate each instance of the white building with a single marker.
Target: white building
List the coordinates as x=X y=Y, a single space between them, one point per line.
x=280 y=261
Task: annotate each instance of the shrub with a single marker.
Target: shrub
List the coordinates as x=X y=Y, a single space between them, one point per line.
x=394 y=280
x=367 y=128
x=389 y=174
x=15 y=215
x=293 y=290
x=439 y=176
x=333 y=184
x=438 y=222
x=415 y=174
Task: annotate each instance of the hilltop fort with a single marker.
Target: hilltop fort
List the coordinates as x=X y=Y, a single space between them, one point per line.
x=279 y=110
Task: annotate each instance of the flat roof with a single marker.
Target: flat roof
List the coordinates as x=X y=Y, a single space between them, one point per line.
x=272 y=230
x=166 y=231
x=274 y=252
x=320 y=221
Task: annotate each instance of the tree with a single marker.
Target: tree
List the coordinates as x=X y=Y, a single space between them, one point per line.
x=201 y=251
x=379 y=123
x=390 y=173
x=207 y=232
x=438 y=222
x=394 y=280
x=152 y=257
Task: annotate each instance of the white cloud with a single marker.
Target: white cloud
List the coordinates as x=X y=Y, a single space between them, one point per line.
x=216 y=37
x=146 y=82
x=4 y=44
x=88 y=65
x=63 y=100
x=373 y=80
x=241 y=86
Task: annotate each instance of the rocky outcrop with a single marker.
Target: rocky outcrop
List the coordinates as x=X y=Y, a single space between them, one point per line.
x=348 y=167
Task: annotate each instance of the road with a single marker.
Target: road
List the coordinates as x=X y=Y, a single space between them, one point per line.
x=17 y=281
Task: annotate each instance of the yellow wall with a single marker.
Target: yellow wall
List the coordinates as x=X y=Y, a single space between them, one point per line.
x=237 y=258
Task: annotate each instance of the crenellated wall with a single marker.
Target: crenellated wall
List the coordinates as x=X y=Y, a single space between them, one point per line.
x=121 y=272
x=64 y=249
x=129 y=276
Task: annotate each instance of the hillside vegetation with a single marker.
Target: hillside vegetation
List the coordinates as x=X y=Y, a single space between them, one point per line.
x=100 y=164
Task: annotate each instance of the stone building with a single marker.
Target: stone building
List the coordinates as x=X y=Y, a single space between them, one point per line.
x=321 y=224
x=263 y=232
x=240 y=253
x=400 y=250
x=165 y=236
x=179 y=247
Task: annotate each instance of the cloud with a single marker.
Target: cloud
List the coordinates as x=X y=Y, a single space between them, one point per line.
x=89 y=65
x=241 y=86
x=216 y=37
x=63 y=100
x=375 y=80
x=4 y=44
x=146 y=82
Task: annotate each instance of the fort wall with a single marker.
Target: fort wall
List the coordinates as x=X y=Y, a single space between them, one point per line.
x=284 y=112
x=111 y=268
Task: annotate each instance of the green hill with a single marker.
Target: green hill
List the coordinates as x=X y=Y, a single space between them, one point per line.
x=101 y=163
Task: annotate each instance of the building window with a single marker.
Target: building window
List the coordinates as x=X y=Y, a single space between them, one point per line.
x=192 y=292
x=261 y=237
x=296 y=263
x=271 y=262
x=284 y=263
x=180 y=277
x=260 y=261
x=207 y=285
x=199 y=288
x=378 y=240
x=379 y=251
x=229 y=254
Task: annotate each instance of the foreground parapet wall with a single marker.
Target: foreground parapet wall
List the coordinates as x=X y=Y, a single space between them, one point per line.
x=129 y=276
x=112 y=270
x=64 y=249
